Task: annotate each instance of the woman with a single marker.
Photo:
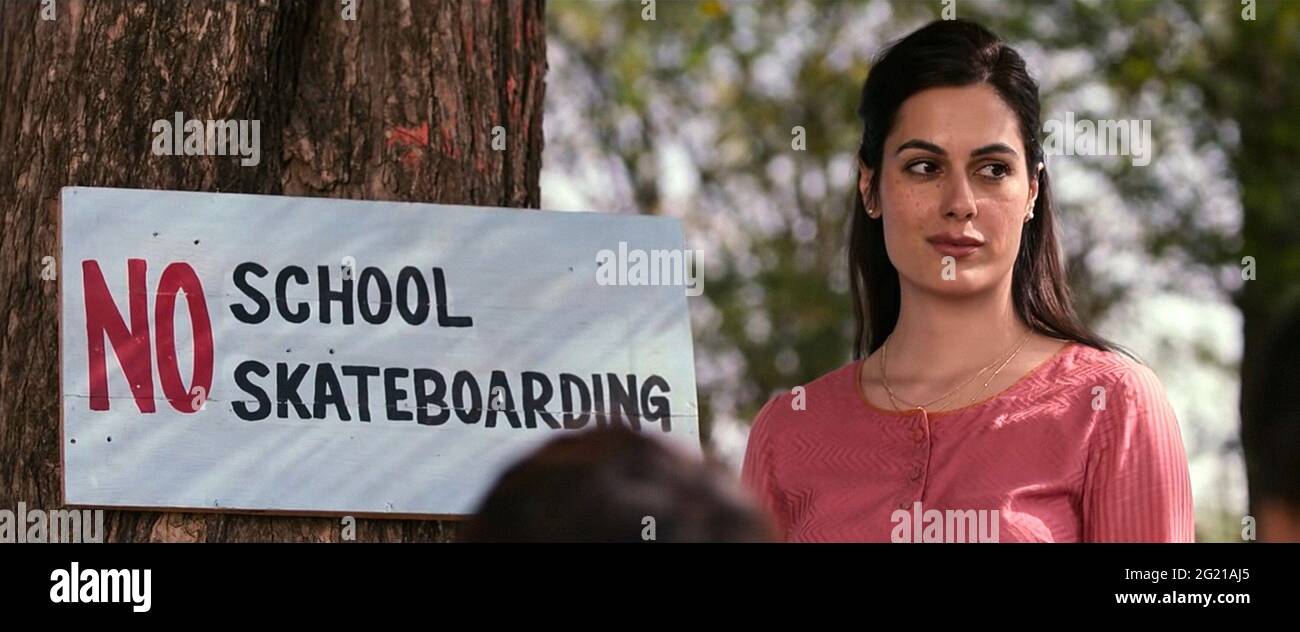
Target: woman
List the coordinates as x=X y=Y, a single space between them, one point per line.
x=981 y=394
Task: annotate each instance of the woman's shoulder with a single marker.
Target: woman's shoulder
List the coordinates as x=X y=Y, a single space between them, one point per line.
x=1127 y=384
x=1083 y=363
x=824 y=397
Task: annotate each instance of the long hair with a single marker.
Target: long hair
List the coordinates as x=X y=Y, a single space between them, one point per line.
x=949 y=53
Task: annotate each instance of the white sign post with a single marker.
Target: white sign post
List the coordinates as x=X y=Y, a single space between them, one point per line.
x=299 y=355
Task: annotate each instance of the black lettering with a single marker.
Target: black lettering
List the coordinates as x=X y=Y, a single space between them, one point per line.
x=363 y=375
x=405 y=278
x=328 y=391
x=572 y=421
x=393 y=395
x=241 y=281
x=423 y=398
x=656 y=408
x=472 y=414
x=242 y=381
x=385 y=296
x=327 y=295
x=622 y=402
x=598 y=398
x=507 y=406
x=440 y=290
x=535 y=402
x=282 y=294
x=286 y=390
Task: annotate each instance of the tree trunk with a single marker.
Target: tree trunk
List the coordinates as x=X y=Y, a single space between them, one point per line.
x=400 y=104
x=1264 y=163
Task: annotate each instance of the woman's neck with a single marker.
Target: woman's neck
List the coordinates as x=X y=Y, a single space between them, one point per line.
x=946 y=337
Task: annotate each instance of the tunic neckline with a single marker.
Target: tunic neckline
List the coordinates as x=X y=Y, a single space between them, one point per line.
x=1040 y=367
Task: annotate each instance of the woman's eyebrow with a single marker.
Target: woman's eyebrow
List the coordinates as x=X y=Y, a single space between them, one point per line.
x=922 y=145
x=995 y=148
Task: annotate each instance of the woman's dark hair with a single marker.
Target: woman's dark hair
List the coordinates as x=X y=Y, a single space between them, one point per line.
x=950 y=53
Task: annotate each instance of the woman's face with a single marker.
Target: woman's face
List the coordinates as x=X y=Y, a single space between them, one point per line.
x=954 y=192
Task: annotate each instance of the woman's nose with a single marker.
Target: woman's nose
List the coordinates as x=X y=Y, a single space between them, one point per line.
x=959 y=200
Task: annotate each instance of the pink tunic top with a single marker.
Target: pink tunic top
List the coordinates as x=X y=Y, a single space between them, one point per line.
x=1085 y=447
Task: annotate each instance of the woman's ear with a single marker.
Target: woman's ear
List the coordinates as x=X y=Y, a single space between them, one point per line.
x=1033 y=187
x=864 y=183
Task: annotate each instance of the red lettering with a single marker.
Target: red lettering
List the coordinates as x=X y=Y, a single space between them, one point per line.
x=130 y=345
x=180 y=276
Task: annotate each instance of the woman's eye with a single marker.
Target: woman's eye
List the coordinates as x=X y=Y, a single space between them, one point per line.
x=923 y=168
x=996 y=171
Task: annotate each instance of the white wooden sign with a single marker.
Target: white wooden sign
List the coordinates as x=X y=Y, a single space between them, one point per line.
x=260 y=353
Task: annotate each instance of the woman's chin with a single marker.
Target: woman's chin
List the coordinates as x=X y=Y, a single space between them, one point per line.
x=961 y=285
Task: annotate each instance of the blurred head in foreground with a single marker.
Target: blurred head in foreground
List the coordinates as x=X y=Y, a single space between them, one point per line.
x=616 y=485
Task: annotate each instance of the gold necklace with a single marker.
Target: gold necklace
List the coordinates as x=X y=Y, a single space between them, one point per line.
x=995 y=373
x=894 y=398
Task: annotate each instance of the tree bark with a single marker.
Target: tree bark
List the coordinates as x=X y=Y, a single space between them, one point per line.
x=400 y=104
x=1264 y=163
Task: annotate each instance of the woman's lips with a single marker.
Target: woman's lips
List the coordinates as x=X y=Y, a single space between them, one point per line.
x=954 y=250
